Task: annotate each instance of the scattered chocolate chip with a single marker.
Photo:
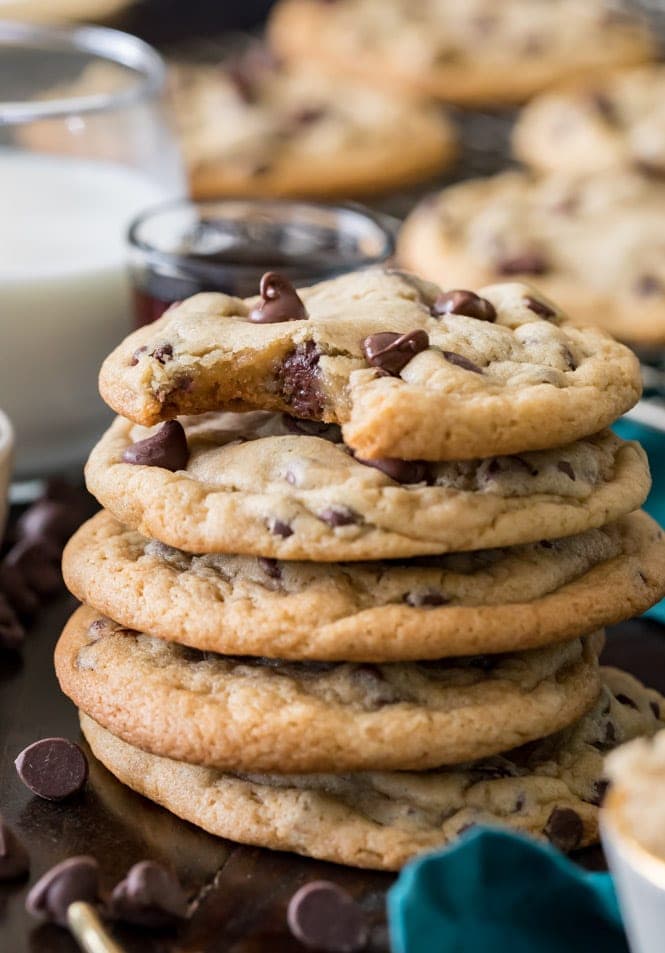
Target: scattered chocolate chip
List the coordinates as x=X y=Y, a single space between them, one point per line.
x=12 y=632
x=539 y=307
x=655 y=708
x=464 y=302
x=136 y=355
x=14 y=860
x=648 y=285
x=38 y=563
x=564 y=829
x=298 y=378
x=162 y=353
x=270 y=567
x=425 y=597
x=53 y=768
x=167 y=449
x=326 y=918
x=401 y=471
x=150 y=896
x=313 y=428
x=391 y=352
x=280 y=528
x=74 y=879
x=528 y=263
x=564 y=467
x=460 y=361
x=339 y=516
x=280 y=301
x=50 y=519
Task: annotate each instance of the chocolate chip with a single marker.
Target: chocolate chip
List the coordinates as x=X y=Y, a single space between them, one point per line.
x=167 y=449
x=280 y=528
x=539 y=307
x=339 y=516
x=313 y=428
x=150 y=896
x=270 y=567
x=14 y=860
x=136 y=355
x=520 y=801
x=425 y=597
x=401 y=471
x=605 y=106
x=162 y=353
x=564 y=467
x=280 y=301
x=568 y=358
x=53 y=768
x=460 y=361
x=626 y=700
x=16 y=591
x=464 y=302
x=298 y=378
x=564 y=829
x=74 y=879
x=324 y=917
x=38 y=563
x=12 y=632
x=99 y=628
x=50 y=519
x=648 y=285
x=655 y=708
x=528 y=263
x=391 y=352
x=376 y=690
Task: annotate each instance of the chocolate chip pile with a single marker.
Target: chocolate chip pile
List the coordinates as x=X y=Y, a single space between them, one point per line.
x=204 y=692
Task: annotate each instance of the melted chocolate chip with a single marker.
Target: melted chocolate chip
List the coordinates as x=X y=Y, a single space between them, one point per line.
x=162 y=353
x=528 y=263
x=324 y=917
x=391 y=352
x=298 y=378
x=53 y=768
x=339 y=516
x=460 y=361
x=14 y=860
x=313 y=428
x=280 y=301
x=564 y=467
x=466 y=303
x=149 y=896
x=167 y=449
x=564 y=829
x=425 y=597
x=539 y=307
x=74 y=879
x=270 y=567
x=401 y=471
x=280 y=528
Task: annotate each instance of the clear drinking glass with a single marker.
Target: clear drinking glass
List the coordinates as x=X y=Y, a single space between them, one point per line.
x=181 y=248
x=85 y=144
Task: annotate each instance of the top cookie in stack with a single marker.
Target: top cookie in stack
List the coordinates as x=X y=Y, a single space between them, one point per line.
x=366 y=418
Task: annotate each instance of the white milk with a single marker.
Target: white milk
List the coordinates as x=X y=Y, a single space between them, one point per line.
x=64 y=297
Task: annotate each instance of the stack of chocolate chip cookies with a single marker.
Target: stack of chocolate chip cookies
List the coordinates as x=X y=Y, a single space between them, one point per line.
x=359 y=545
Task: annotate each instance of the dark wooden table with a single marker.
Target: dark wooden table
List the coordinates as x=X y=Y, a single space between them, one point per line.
x=241 y=892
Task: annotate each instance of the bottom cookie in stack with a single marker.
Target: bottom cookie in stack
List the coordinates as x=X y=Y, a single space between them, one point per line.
x=549 y=788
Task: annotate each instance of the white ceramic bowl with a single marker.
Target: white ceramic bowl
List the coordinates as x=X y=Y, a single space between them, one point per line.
x=639 y=877
x=6 y=456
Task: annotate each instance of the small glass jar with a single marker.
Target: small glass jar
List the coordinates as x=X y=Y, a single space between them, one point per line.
x=182 y=248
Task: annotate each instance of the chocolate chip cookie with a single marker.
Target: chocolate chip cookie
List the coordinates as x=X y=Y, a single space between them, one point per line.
x=615 y=123
x=461 y=604
x=263 y=484
x=550 y=789
x=479 y=52
x=411 y=372
x=594 y=242
x=254 y=714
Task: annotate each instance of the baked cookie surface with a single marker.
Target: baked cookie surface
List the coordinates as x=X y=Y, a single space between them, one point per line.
x=549 y=789
x=616 y=123
x=250 y=485
x=474 y=53
x=595 y=243
x=242 y=713
x=460 y=604
x=409 y=371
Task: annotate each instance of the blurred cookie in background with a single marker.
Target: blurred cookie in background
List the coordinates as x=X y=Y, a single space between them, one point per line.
x=617 y=123
x=474 y=53
x=596 y=244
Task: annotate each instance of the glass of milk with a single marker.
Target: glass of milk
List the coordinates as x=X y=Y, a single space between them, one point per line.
x=85 y=144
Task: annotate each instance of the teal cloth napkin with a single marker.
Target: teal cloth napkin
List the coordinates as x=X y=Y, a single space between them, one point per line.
x=495 y=891
x=653 y=442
